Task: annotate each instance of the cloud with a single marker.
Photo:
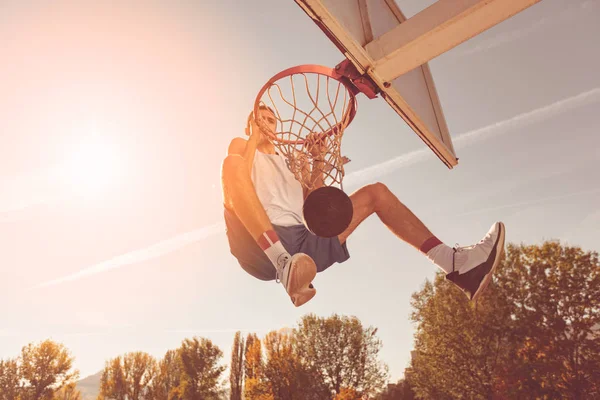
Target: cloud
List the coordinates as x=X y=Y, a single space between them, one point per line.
x=530 y=117
x=147 y=253
x=368 y=174
x=529 y=202
x=466 y=139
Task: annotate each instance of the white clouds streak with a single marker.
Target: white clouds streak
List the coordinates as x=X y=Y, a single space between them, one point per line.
x=530 y=202
x=531 y=117
x=147 y=253
x=370 y=173
x=528 y=118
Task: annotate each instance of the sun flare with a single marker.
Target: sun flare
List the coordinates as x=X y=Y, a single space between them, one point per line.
x=92 y=166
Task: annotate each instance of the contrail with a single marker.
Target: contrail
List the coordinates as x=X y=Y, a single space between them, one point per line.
x=355 y=178
x=147 y=253
x=531 y=117
x=529 y=203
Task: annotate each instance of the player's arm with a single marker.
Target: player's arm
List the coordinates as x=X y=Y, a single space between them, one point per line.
x=237 y=147
x=244 y=148
x=317 y=176
x=251 y=145
x=314 y=173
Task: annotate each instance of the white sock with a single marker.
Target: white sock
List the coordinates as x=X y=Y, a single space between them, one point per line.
x=442 y=255
x=269 y=243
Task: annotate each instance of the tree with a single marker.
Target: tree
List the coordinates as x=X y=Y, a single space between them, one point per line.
x=68 y=392
x=113 y=385
x=342 y=353
x=285 y=375
x=531 y=336
x=252 y=357
x=255 y=385
x=236 y=372
x=128 y=377
x=9 y=379
x=200 y=369
x=556 y=294
x=167 y=378
x=348 y=394
x=45 y=368
x=458 y=350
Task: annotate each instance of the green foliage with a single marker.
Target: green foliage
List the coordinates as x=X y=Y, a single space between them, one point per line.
x=324 y=358
x=191 y=372
x=348 y=394
x=45 y=368
x=68 y=392
x=457 y=348
x=128 y=377
x=286 y=375
x=255 y=385
x=556 y=295
x=252 y=357
x=531 y=336
x=342 y=352
x=43 y=371
x=200 y=369
x=9 y=379
x=167 y=378
x=236 y=368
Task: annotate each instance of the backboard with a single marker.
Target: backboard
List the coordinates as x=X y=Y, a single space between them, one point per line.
x=393 y=51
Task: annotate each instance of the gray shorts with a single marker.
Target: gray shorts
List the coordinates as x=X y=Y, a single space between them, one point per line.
x=296 y=239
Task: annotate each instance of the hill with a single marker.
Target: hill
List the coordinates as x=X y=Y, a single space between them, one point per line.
x=89 y=386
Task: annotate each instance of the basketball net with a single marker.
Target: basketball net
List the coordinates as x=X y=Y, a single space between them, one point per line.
x=313 y=105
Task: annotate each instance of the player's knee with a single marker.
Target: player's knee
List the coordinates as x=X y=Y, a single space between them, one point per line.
x=234 y=166
x=379 y=193
x=378 y=189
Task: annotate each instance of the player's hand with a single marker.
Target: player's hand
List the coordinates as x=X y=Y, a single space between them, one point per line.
x=253 y=130
x=316 y=144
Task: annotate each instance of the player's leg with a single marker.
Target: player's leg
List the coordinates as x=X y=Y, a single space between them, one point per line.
x=297 y=272
x=378 y=199
x=470 y=268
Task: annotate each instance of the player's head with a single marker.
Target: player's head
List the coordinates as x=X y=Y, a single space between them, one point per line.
x=266 y=114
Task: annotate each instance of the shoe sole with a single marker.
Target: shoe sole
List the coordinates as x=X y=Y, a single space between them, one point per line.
x=299 y=282
x=488 y=278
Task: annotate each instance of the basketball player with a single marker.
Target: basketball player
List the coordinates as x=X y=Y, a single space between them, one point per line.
x=263 y=215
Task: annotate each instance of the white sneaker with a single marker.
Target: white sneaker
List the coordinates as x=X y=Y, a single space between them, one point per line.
x=473 y=266
x=296 y=276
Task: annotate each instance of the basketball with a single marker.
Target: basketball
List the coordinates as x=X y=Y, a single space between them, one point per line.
x=327 y=211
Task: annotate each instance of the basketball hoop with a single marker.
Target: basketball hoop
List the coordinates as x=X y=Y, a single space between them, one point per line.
x=309 y=99
x=320 y=102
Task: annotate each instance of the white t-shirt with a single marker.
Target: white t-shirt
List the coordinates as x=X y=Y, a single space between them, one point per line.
x=278 y=190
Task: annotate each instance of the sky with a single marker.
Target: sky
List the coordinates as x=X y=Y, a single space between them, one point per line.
x=114 y=121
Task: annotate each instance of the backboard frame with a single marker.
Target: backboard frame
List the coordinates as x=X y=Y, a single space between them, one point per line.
x=395 y=58
x=361 y=60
